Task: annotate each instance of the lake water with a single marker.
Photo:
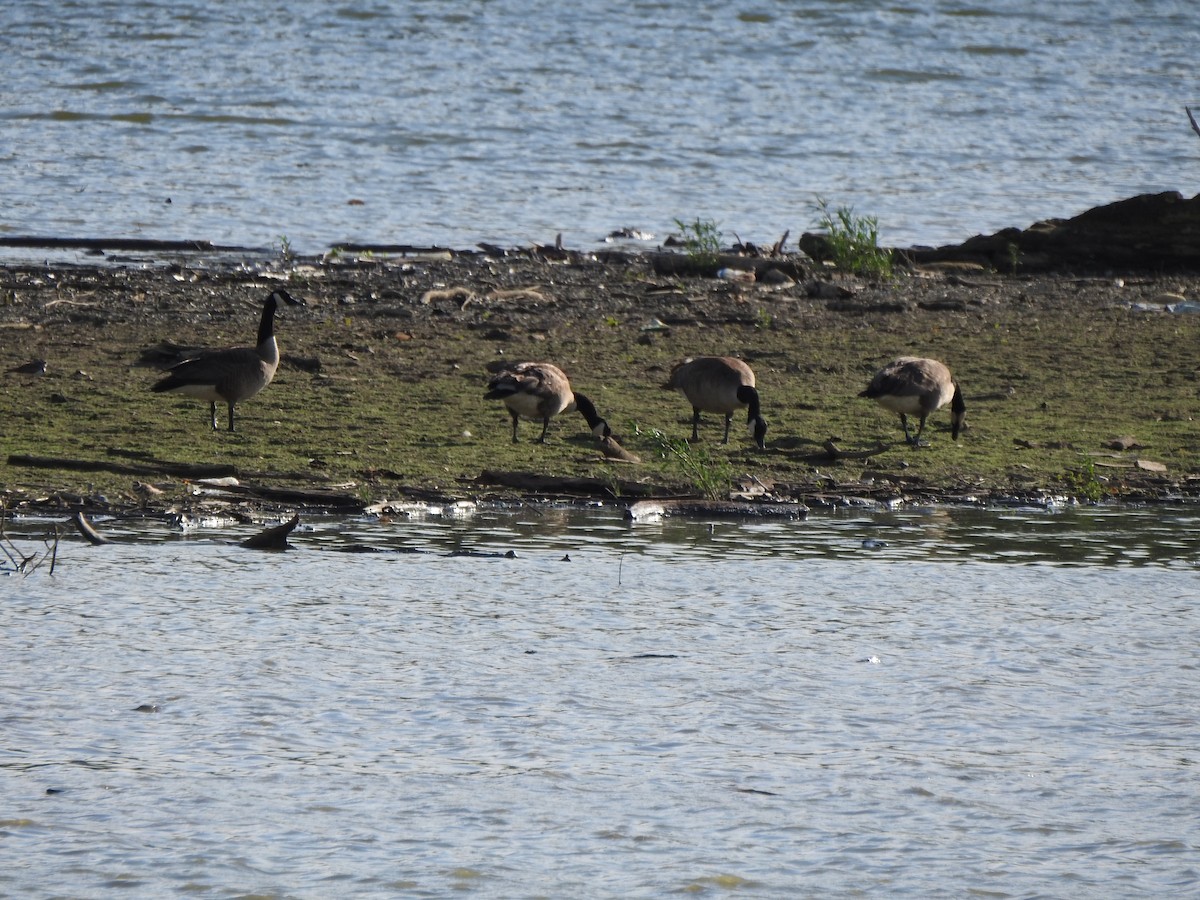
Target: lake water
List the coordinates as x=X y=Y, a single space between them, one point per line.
x=450 y=122
x=924 y=703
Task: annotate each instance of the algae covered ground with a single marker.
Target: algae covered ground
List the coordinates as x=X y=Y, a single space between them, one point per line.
x=1075 y=386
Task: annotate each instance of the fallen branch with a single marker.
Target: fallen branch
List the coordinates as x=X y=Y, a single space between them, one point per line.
x=89 y=532
x=27 y=564
x=554 y=484
x=179 y=470
x=310 y=499
x=273 y=538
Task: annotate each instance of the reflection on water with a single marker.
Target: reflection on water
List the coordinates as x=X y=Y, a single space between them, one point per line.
x=993 y=702
x=1070 y=535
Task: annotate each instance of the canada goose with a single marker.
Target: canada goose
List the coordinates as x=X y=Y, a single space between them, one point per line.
x=538 y=390
x=233 y=374
x=912 y=386
x=719 y=384
x=33 y=367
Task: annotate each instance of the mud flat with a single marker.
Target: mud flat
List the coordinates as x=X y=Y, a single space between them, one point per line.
x=1080 y=382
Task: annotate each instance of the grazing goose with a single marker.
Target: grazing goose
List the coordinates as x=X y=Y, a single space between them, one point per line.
x=719 y=384
x=912 y=386
x=33 y=367
x=233 y=374
x=538 y=390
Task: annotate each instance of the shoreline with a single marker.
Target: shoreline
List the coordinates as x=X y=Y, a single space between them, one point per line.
x=1079 y=387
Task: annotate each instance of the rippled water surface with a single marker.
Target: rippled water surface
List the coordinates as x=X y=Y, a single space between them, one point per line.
x=451 y=122
x=924 y=703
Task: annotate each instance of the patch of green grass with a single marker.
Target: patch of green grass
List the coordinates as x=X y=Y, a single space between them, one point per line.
x=1083 y=483
x=710 y=475
x=853 y=241
x=701 y=241
x=287 y=253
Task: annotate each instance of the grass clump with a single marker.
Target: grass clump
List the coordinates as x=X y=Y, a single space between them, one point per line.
x=710 y=476
x=1084 y=483
x=853 y=241
x=701 y=241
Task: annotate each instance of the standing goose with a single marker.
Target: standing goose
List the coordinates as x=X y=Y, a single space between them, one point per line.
x=719 y=384
x=913 y=386
x=538 y=390
x=234 y=374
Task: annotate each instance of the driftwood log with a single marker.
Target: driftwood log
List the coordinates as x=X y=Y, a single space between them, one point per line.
x=535 y=482
x=100 y=245
x=332 y=501
x=682 y=265
x=273 y=538
x=715 y=509
x=178 y=470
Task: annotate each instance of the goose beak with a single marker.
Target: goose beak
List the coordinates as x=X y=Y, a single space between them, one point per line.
x=288 y=298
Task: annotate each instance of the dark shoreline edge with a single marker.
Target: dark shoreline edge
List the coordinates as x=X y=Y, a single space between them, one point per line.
x=1145 y=233
x=254 y=503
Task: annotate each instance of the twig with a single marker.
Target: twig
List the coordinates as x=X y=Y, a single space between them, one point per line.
x=1192 y=119
x=64 y=302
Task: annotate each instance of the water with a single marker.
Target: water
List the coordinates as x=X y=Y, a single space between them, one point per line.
x=447 y=122
x=998 y=703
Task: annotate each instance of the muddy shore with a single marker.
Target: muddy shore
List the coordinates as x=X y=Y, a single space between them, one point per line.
x=1078 y=386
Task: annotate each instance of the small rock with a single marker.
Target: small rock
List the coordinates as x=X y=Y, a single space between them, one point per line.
x=826 y=290
x=1123 y=443
x=777 y=278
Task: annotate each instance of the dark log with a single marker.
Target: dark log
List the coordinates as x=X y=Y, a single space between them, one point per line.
x=576 y=487
x=401 y=249
x=273 y=538
x=178 y=470
x=682 y=265
x=309 y=499
x=131 y=244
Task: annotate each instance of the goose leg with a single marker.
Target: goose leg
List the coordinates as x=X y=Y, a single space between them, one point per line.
x=212 y=414
x=917 y=440
x=231 y=417
x=515 y=418
x=728 y=419
x=904 y=423
x=695 y=424
x=545 y=428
